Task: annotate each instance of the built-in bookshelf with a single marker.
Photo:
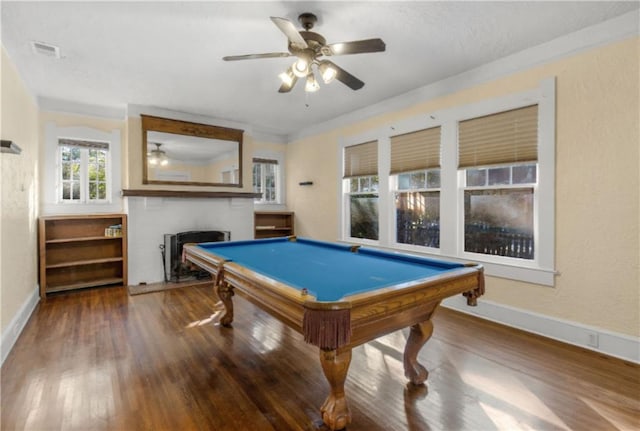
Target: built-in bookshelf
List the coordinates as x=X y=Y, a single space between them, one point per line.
x=269 y=224
x=82 y=251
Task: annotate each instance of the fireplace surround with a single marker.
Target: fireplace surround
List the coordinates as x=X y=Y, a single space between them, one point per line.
x=175 y=270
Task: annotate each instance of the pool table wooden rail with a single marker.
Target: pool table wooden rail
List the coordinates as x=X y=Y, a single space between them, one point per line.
x=374 y=316
x=371 y=314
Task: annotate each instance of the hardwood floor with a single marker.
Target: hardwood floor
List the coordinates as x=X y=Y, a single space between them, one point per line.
x=103 y=360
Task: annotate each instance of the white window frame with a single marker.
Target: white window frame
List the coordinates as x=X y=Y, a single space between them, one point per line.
x=540 y=270
x=393 y=183
x=344 y=187
x=52 y=201
x=84 y=177
x=280 y=177
x=347 y=203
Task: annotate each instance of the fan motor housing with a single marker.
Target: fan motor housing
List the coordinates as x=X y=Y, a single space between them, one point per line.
x=315 y=42
x=307 y=20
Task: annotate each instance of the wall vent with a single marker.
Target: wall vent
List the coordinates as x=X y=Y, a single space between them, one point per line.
x=45 y=49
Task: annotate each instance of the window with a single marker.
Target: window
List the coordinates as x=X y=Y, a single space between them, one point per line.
x=266 y=180
x=363 y=207
x=499 y=199
x=83 y=167
x=361 y=175
x=415 y=164
x=230 y=176
x=470 y=183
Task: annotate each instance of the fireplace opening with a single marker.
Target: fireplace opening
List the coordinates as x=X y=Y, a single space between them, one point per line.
x=174 y=269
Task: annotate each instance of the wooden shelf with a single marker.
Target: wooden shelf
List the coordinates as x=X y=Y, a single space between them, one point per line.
x=75 y=253
x=85 y=284
x=87 y=238
x=85 y=262
x=269 y=224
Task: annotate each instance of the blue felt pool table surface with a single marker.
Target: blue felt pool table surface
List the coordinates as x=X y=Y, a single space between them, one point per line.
x=328 y=271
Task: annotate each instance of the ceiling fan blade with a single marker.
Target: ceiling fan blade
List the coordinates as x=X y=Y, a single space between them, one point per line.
x=355 y=47
x=290 y=31
x=284 y=88
x=254 y=56
x=346 y=78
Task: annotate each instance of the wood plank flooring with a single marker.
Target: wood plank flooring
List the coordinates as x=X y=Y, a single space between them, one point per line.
x=103 y=360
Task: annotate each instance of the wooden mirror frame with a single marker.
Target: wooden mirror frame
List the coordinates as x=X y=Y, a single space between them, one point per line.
x=178 y=127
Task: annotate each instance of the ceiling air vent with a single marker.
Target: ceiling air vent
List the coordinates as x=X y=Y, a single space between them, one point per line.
x=45 y=49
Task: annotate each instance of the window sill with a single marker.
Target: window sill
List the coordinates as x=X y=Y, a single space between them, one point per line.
x=511 y=271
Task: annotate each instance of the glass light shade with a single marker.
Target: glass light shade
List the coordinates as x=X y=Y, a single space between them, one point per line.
x=301 y=68
x=312 y=84
x=287 y=77
x=157 y=156
x=328 y=73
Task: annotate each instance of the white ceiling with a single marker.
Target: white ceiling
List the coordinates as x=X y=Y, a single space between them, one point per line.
x=169 y=54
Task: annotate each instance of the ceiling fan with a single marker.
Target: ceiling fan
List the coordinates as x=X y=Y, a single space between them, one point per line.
x=309 y=48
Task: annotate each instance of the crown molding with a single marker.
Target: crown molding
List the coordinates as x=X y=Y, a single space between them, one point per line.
x=614 y=30
x=76 y=108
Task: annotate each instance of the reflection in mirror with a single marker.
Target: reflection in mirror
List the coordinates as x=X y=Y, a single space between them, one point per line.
x=179 y=152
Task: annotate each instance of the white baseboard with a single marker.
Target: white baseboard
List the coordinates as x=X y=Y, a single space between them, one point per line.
x=596 y=339
x=12 y=332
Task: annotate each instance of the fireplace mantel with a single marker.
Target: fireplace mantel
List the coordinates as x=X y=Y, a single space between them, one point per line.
x=187 y=194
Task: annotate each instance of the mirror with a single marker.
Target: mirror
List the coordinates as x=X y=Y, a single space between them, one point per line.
x=183 y=153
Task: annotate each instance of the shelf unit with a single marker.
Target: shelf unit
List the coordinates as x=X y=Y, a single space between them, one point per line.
x=75 y=253
x=269 y=224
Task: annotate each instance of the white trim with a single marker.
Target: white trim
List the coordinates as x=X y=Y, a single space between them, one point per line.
x=50 y=201
x=69 y=107
x=606 y=342
x=280 y=181
x=17 y=324
x=541 y=269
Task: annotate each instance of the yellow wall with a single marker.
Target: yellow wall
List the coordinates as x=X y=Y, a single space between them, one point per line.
x=19 y=196
x=597 y=181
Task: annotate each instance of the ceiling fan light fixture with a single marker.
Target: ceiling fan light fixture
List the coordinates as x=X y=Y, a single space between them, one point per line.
x=301 y=68
x=311 y=85
x=158 y=157
x=287 y=77
x=327 y=72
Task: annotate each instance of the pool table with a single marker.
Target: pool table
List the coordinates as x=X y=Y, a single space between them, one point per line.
x=337 y=296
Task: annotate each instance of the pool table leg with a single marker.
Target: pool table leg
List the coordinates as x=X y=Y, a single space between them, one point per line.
x=335 y=365
x=419 y=335
x=225 y=293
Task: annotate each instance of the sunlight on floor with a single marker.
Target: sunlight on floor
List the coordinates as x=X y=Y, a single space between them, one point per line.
x=504 y=421
x=377 y=359
x=214 y=318
x=612 y=415
x=508 y=389
x=34 y=397
x=268 y=336
x=85 y=398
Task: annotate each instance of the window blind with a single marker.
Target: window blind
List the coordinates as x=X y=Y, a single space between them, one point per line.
x=93 y=145
x=266 y=161
x=505 y=137
x=361 y=160
x=415 y=151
